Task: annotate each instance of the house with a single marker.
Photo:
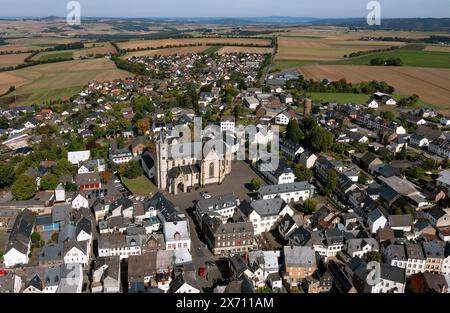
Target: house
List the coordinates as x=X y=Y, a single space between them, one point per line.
x=19 y=241
x=265 y=213
x=360 y=246
x=92 y=166
x=106 y=275
x=376 y=220
x=372 y=104
x=440 y=147
x=415 y=259
x=419 y=141
x=76 y=252
x=281 y=173
x=308 y=159
x=391 y=279
x=222 y=206
x=282 y=118
x=291 y=192
x=119 y=156
x=400 y=222
x=290 y=149
x=75 y=157
x=299 y=263
x=184 y=282
x=444 y=179
x=227 y=123
x=434 y=253
x=148 y=165
x=118 y=244
x=138 y=146
x=51 y=255
x=428 y=283
x=438 y=217
x=445 y=121
x=176 y=235
x=261 y=265
x=89 y=181
x=251 y=102
x=370 y=163
x=229 y=237
x=81 y=200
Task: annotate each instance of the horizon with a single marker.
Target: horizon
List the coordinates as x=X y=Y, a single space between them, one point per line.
x=322 y=9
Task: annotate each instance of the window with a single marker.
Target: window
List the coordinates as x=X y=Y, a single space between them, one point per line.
x=211 y=170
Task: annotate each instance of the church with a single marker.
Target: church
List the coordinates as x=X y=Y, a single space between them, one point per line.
x=182 y=167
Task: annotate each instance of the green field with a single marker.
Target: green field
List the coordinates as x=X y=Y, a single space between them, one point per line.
x=53 y=55
x=338 y=97
x=212 y=50
x=356 y=98
x=281 y=65
x=140 y=186
x=409 y=56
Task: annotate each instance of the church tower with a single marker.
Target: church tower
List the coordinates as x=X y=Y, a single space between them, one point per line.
x=162 y=151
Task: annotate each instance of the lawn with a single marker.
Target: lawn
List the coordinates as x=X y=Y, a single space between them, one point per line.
x=140 y=186
x=53 y=55
x=338 y=97
x=212 y=50
x=282 y=65
x=409 y=56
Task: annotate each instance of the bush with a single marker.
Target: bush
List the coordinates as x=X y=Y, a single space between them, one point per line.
x=255 y=184
x=49 y=181
x=24 y=188
x=35 y=238
x=133 y=170
x=309 y=206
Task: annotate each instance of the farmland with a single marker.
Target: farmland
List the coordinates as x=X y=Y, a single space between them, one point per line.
x=168 y=51
x=410 y=57
x=256 y=50
x=432 y=85
x=299 y=48
x=56 y=80
x=54 y=55
x=92 y=49
x=12 y=59
x=143 y=44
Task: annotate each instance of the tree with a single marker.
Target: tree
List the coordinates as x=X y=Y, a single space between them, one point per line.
x=35 y=238
x=293 y=131
x=6 y=175
x=255 y=184
x=388 y=115
x=133 y=169
x=55 y=236
x=309 y=205
x=24 y=188
x=362 y=178
x=70 y=187
x=49 y=181
x=302 y=173
x=332 y=181
x=320 y=139
x=142 y=125
x=373 y=256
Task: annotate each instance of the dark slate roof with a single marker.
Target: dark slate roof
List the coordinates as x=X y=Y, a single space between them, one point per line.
x=392 y=273
x=84 y=225
x=167 y=210
x=20 y=235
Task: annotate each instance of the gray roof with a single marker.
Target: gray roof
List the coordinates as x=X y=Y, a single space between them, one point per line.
x=392 y=273
x=297 y=256
x=20 y=235
x=400 y=220
x=60 y=212
x=414 y=251
x=268 y=207
x=434 y=249
x=374 y=215
x=283 y=188
x=51 y=253
x=217 y=203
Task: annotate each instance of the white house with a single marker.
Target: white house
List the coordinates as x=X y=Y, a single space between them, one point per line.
x=419 y=141
x=308 y=159
x=251 y=102
x=262 y=263
x=292 y=192
x=227 y=124
x=376 y=220
x=184 y=282
x=118 y=245
x=60 y=193
x=76 y=157
x=176 y=235
x=360 y=246
x=76 y=252
x=445 y=121
x=372 y=104
x=265 y=213
x=392 y=280
x=80 y=201
x=282 y=118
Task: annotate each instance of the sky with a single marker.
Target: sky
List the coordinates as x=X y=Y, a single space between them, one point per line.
x=226 y=8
